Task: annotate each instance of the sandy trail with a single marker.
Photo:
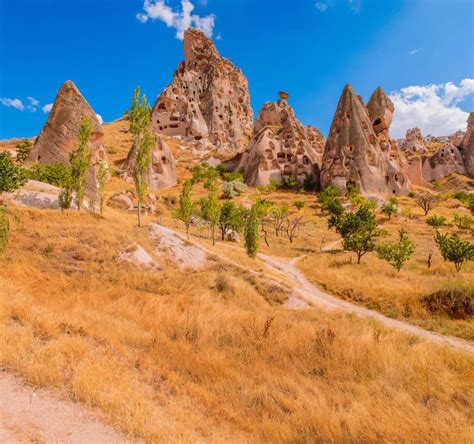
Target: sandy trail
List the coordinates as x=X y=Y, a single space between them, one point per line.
x=305 y=293
x=39 y=415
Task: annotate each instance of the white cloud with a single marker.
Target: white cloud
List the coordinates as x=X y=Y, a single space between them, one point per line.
x=14 y=103
x=99 y=117
x=321 y=6
x=179 y=20
x=413 y=51
x=47 y=108
x=432 y=108
x=32 y=106
x=219 y=36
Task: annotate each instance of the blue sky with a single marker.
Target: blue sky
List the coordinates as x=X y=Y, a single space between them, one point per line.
x=420 y=51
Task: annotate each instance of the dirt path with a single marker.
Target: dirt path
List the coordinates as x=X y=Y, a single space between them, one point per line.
x=38 y=415
x=305 y=293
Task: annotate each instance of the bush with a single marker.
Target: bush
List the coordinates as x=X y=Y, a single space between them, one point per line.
x=23 y=148
x=232 y=176
x=397 y=253
x=454 y=249
x=56 y=173
x=298 y=204
x=330 y=192
x=233 y=188
x=288 y=183
x=455 y=301
x=463 y=222
x=390 y=207
x=436 y=221
x=11 y=175
x=466 y=198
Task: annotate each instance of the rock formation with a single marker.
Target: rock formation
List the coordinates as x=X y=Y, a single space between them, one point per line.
x=468 y=146
x=162 y=171
x=442 y=163
x=414 y=143
x=58 y=138
x=282 y=147
x=208 y=100
x=359 y=151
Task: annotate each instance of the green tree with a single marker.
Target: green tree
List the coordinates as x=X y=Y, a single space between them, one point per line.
x=231 y=218
x=211 y=207
x=102 y=179
x=251 y=231
x=329 y=193
x=80 y=160
x=11 y=176
x=4 y=228
x=397 y=253
x=278 y=213
x=186 y=205
x=390 y=207
x=23 y=148
x=358 y=230
x=454 y=249
x=139 y=121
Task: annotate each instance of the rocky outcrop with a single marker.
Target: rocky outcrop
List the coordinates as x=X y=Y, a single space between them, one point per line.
x=414 y=143
x=58 y=138
x=207 y=102
x=468 y=146
x=445 y=161
x=282 y=147
x=359 y=151
x=162 y=170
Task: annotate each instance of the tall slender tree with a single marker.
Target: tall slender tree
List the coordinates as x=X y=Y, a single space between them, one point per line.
x=211 y=207
x=186 y=205
x=251 y=231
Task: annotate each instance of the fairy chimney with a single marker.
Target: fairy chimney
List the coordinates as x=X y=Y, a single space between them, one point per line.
x=468 y=146
x=359 y=151
x=208 y=101
x=281 y=147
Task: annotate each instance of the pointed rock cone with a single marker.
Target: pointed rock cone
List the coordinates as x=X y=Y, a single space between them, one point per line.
x=208 y=101
x=162 y=171
x=354 y=154
x=59 y=136
x=281 y=147
x=380 y=109
x=468 y=146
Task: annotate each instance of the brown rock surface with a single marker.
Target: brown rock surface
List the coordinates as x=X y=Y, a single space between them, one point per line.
x=445 y=161
x=359 y=150
x=58 y=138
x=162 y=171
x=281 y=146
x=468 y=146
x=208 y=100
x=413 y=143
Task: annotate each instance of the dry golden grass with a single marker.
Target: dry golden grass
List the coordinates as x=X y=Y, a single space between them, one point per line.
x=208 y=357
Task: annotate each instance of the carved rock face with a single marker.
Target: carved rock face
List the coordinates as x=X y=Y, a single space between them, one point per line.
x=58 y=138
x=468 y=146
x=359 y=151
x=414 y=143
x=208 y=100
x=445 y=161
x=281 y=147
x=162 y=171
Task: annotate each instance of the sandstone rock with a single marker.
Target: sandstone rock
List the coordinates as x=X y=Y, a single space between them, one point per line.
x=233 y=236
x=58 y=138
x=414 y=143
x=442 y=163
x=33 y=199
x=121 y=201
x=281 y=147
x=162 y=171
x=468 y=146
x=208 y=100
x=359 y=150
x=457 y=138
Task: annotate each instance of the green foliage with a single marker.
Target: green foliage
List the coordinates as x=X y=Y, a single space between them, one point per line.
x=436 y=221
x=397 y=253
x=298 y=204
x=231 y=218
x=211 y=207
x=4 y=228
x=234 y=175
x=329 y=193
x=11 y=176
x=65 y=198
x=251 y=231
x=466 y=198
x=23 y=148
x=390 y=207
x=454 y=249
x=358 y=230
x=311 y=184
x=80 y=160
x=55 y=173
x=463 y=222
x=102 y=179
x=139 y=114
x=277 y=214
x=288 y=183
x=186 y=205
x=354 y=196
x=233 y=188
x=204 y=172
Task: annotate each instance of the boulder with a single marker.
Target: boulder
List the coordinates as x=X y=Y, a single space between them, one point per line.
x=359 y=151
x=121 y=201
x=162 y=171
x=281 y=147
x=208 y=101
x=59 y=136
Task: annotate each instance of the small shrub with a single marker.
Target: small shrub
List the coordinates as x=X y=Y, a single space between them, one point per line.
x=288 y=183
x=464 y=222
x=390 y=207
x=234 y=175
x=436 y=221
x=233 y=188
x=298 y=204
x=22 y=150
